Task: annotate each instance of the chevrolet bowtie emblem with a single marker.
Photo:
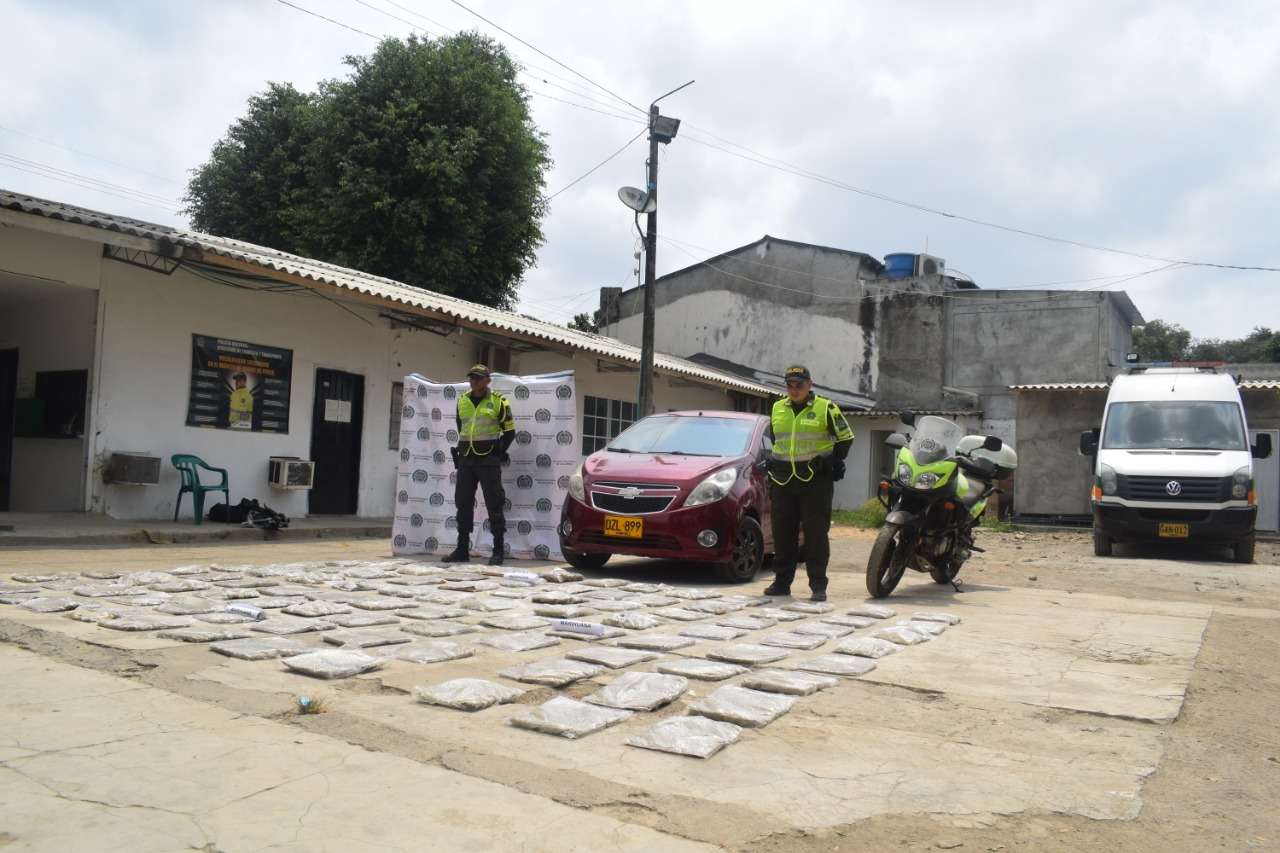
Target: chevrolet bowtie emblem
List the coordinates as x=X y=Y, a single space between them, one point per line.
x=630 y=493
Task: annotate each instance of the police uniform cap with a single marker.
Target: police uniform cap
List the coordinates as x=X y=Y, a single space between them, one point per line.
x=798 y=372
x=479 y=370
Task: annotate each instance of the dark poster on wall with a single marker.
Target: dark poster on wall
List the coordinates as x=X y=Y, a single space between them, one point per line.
x=239 y=386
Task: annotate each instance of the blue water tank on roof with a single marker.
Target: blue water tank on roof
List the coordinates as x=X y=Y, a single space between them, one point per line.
x=900 y=265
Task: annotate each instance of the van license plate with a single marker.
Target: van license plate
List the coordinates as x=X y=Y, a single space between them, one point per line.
x=621 y=526
x=1175 y=531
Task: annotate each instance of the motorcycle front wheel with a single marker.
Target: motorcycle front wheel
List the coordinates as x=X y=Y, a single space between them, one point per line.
x=883 y=571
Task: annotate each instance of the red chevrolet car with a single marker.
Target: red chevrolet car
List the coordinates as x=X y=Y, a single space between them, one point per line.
x=682 y=485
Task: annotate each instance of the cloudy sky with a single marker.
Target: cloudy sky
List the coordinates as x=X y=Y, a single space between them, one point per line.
x=1146 y=127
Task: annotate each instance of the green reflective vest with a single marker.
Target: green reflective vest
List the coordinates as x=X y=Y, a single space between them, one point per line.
x=483 y=423
x=805 y=435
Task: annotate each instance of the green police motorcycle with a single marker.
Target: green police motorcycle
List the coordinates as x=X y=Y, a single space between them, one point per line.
x=938 y=491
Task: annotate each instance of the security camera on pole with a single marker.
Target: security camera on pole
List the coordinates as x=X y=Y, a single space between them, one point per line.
x=661 y=129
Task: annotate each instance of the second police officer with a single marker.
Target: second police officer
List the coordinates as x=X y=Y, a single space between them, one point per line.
x=811 y=439
x=486 y=429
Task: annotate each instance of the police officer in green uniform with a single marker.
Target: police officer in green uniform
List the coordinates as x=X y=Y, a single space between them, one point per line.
x=486 y=429
x=811 y=439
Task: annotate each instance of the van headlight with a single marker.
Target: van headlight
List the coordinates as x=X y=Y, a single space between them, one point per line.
x=713 y=488
x=1241 y=483
x=577 y=490
x=1108 y=480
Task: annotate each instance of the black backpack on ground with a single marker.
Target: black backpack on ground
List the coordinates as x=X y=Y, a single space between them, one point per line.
x=249 y=513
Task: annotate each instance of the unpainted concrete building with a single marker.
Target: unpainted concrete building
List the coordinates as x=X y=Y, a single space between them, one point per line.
x=878 y=344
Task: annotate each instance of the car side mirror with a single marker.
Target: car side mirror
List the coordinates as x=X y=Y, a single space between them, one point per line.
x=896 y=440
x=908 y=418
x=992 y=442
x=1262 y=446
x=1089 y=442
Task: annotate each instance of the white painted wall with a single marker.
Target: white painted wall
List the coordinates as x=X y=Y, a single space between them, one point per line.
x=757 y=333
x=52 y=327
x=855 y=489
x=148 y=321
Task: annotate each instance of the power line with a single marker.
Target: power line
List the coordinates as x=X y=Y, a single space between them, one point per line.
x=592 y=170
x=90 y=156
x=543 y=53
x=823 y=179
x=588 y=109
x=36 y=164
x=330 y=20
x=87 y=186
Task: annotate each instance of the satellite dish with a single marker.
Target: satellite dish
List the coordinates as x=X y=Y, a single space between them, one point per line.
x=638 y=200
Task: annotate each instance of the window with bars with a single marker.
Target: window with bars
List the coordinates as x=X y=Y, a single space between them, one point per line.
x=603 y=419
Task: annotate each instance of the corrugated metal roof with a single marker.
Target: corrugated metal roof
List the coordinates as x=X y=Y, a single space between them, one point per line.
x=1062 y=386
x=1261 y=384
x=396 y=293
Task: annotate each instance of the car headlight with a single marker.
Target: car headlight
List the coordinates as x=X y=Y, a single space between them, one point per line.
x=713 y=488
x=1241 y=482
x=577 y=490
x=1109 y=482
x=927 y=480
x=904 y=472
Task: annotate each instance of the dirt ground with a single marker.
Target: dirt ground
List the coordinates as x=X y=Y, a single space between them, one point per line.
x=1214 y=787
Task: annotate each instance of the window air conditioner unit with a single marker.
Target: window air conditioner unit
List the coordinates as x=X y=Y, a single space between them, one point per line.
x=290 y=472
x=131 y=469
x=930 y=265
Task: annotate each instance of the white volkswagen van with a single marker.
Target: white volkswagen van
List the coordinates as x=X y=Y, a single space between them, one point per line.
x=1173 y=461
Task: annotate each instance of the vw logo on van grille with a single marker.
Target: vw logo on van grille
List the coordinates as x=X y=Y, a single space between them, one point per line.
x=1174 y=488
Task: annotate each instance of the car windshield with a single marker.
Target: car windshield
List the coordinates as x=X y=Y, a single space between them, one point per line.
x=934 y=439
x=1174 y=425
x=691 y=436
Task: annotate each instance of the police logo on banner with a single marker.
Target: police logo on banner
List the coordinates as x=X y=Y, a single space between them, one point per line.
x=521 y=392
x=424 y=434
x=523 y=437
x=564 y=392
x=438 y=457
x=543 y=460
x=564 y=437
x=402 y=497
x=524 y=481
x=544 y=505
x=562 y=483
x=408 y=413
x=437 y=415
x=450 y=393
x=404 y=454
x=436 y=499
x=542 y=416
x=524 y=528
x=451 y=436
x=420 y=476
x=415 y=520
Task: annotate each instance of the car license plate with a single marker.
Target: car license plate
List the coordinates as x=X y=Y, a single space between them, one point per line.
x=1175 y=531
x=626 y=528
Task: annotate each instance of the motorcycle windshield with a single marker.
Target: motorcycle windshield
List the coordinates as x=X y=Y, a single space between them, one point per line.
x=934 y=439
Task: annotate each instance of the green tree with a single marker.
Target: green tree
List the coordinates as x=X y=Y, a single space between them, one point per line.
x=423 y=165
x=1161 y=341
x=584 y=323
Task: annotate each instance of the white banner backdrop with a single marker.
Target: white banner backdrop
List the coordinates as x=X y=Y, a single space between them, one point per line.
x=536 y=480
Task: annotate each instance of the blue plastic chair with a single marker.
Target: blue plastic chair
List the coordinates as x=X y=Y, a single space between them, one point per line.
x=189 y=467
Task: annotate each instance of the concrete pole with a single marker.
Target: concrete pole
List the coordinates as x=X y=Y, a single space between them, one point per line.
x=646 y=406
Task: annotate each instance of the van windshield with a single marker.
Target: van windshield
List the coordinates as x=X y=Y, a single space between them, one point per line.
x=1174 y=425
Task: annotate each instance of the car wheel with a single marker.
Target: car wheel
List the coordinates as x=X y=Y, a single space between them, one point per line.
x=1102 y=543
x=586 y=562
x=748 y=552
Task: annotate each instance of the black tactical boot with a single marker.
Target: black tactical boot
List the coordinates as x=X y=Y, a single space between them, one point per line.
x=778 y=588
x=499 y=550
x=462 y=553
x=818 y=595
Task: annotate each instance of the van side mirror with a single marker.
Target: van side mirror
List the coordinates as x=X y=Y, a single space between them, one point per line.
x=908 y=418
x=1089 y=442
x=992 y=442
x=1262 y=446
x=900 y=440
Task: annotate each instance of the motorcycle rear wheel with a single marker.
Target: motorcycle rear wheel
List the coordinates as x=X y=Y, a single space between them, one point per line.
x=883 y=572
